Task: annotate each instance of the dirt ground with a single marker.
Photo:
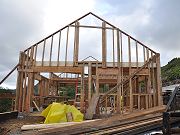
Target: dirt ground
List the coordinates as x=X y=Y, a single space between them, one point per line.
x=13 y=126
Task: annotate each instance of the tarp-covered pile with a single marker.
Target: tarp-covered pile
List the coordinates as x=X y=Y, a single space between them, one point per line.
x=56 y=113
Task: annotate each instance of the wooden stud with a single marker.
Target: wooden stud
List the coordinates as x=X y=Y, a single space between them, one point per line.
x=118 y=50
x=89 y=81
x=43 y=52
x=130 y=81
x=137 y=61
x=144 y=54
x=59 y=47
x=35 y=55
x=122 y=73
x=67 y=40
x=104 y=48
x=97 y=79
x=50 y=54
x=113 y=49
x=82 y=90
x=76 y=44
x=139 y=101
x=159 y=84
x=153 y=81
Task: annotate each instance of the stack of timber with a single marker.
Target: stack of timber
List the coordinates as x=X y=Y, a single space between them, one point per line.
x=114 y=124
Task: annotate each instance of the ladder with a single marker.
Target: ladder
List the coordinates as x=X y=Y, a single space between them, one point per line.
x=77 y=100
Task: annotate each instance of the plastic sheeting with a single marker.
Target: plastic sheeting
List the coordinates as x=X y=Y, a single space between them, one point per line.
x=56 y=113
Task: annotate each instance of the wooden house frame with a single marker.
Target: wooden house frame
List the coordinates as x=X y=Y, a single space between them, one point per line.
x=130 y=81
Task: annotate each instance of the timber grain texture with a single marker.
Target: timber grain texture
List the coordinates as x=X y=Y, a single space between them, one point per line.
x=98 y=124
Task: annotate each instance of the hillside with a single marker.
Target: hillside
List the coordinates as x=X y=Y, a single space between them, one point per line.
x=171 y=72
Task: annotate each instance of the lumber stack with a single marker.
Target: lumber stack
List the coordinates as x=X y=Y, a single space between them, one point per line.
x=116 y=123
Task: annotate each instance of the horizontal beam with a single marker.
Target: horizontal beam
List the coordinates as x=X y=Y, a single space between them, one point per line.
x=70 y=63
x=66 y=69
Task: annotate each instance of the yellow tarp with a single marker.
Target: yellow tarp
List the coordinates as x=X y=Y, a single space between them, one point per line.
x=56 y=113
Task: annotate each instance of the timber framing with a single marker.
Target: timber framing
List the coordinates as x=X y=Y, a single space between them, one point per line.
x=125 y=81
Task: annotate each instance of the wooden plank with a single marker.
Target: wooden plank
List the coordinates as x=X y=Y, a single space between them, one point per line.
x=35 y=55
x=50 y=54
x=91 y=110
x=159 y=84
x=24 y=92
x=22 y=63
x=153 y=82
x=97 y=79
x=122 y=74
x=113 y=49
x=36 y=106
x=67 y=40
x=144 y=54
x=67 y=69
x=130 y=80
x=82 y=91
x=53 y=125
x=146 y=100
x=59 y=47
x=103 y=122
x=89 y=81
x=76 y=44
x=118 y=50
x=89 y=26
x=137 y=58
x=139 y=102
x=44 y=45
x=104 y=48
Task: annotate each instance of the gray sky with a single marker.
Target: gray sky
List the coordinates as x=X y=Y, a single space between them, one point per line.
x=24 y=22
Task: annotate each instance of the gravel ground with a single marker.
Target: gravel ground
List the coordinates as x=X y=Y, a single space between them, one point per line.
x=13 y=126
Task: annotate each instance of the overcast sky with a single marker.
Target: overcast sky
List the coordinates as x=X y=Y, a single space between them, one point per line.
x=24 y=22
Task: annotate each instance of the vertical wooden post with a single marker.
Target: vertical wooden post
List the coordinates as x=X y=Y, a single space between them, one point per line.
x=82 y=90
x=118 y=49
x=104 y=48
x=137 y=61
x=97 y=79
x=89 y=81
x=149 y=76
x=67 y=40
x=153 y=81
x=119 y=75
x=50 y=54
x=119 y=93
x=159 y=84
x=59 y=46
x=44 y=46
x=35 y=55
x=130 y=81
x=30 y=88
x=122 y=73
x=113 y=49
x=144 y=54
x=139 y=101
x=19 y=84
x=76 y=43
